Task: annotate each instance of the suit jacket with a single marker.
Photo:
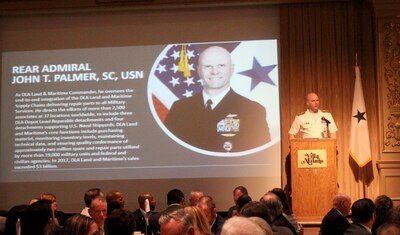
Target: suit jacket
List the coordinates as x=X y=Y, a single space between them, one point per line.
x=154 y=226
x=217 y=225
x=280 y=220
x=140 y=222
x=356 y=229
x=236 y=123
x=333 y=223
x=231 y=210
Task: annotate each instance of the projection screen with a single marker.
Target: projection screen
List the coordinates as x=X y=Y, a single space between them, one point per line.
x=85 y=96
x=70 y=111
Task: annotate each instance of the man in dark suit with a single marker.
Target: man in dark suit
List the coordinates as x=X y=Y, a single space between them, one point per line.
x=98 y=211
x=335 y=222
x=274 y=206
x=147 y=205
x=175 y=201
x=363 y=216
x=237 y=192
x=218 y=119
x=207 y=205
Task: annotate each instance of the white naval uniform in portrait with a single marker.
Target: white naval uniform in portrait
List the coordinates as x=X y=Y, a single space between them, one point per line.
x=313 y=125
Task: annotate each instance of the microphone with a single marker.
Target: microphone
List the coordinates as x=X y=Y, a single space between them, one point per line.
x=325 y=120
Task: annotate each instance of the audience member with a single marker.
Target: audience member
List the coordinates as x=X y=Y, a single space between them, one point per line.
x=256 y=209
x=38 y=219
x=262 y=223
x=33 y=200
x=362 y=214
x=335 y=222
x=80 y=225
x=14 y=216
x=201 y=218
x=195 y=195
x=176 y=222
x=88 y=197
x=147 y=205
x=120 y=222
x=287 y=210
x=274 y=206
x=200 y=222
x=115 y=200
x=242 y=201
x=394 y=215
x=238 y=225
x=175 y=200
x=59 y=216
x=98 y=211
x=207 y=205
x=389 y=229
x=2 y=224
x=383 y=204
x=237 y=192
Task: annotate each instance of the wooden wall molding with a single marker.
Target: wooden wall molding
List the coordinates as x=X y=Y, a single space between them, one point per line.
x=388 y=164
x=387 y=17
x=387 y=21
x=390 y=46
x=389 y=180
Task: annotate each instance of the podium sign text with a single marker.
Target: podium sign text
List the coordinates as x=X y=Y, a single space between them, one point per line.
x=312 y=158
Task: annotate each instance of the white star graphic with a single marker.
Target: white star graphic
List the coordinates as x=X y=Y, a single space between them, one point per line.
x=174 y=81
x=190 y=54
x=161 y=68
x=175 y=55
x=189 y=81
x=191 y=67
x=174 y=68
x=187 y=93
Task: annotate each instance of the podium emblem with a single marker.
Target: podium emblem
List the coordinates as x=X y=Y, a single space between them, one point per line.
x=312 y=158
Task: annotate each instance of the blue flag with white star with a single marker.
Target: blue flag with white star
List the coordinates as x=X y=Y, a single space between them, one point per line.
x=360 y=149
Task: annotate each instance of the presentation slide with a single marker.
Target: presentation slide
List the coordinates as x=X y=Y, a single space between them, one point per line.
x=139 y=112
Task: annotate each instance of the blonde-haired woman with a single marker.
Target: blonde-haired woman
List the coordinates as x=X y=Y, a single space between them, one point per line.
x=200 y=222
x=80 y=225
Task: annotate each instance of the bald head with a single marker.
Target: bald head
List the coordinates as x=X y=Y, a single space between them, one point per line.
x=214 y=51
x=273 y=203
x=342 y=203
x=312 y=102
x=215 y=69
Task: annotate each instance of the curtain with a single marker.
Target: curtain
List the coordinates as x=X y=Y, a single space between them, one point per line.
x=318 y=47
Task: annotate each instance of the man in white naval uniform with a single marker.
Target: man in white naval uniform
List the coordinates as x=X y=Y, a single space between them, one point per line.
x=313 y=123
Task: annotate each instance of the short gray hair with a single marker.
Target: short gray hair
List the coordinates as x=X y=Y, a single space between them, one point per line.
x=179 y=215
x=238 y=225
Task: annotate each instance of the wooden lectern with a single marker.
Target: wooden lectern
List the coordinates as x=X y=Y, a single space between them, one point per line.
x=314 y=178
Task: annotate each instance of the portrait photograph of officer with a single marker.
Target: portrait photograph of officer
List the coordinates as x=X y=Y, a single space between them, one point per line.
x=218 y=98
x=217 y=118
